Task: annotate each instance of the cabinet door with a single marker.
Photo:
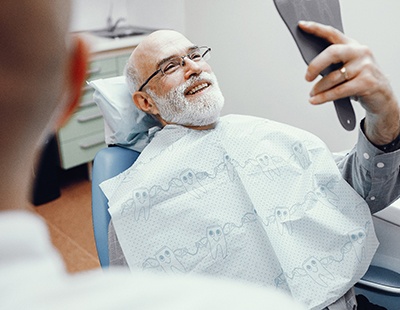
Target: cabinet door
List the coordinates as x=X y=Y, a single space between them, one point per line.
x=81 y=150
x=86 y=121
x=121 y=62
x=83 y=136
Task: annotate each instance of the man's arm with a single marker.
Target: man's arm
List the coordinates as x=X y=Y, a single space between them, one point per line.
x=372 y=167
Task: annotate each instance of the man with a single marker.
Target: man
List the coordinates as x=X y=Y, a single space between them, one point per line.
x=170 y=79
x=41 y=73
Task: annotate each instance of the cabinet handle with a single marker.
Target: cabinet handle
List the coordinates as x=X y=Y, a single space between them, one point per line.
x=94 y=70
x=87 y=103
x=87 y=118
x=89 y=144
x=86 y=88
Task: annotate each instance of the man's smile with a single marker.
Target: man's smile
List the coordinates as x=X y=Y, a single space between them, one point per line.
x=197 y=88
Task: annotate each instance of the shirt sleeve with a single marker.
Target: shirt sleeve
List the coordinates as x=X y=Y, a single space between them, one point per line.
x=372 y=172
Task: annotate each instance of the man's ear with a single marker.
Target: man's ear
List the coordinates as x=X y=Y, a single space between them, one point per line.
x=144 y=102
x=77 y=72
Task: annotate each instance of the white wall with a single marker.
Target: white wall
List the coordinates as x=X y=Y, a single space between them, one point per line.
x=158 y=14
x=89 y=14
x=260 y=69
x=92 y=14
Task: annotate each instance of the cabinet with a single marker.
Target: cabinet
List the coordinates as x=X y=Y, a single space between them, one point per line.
x=83 y=136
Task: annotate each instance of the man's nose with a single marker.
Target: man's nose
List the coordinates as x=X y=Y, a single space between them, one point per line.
x=191 y=68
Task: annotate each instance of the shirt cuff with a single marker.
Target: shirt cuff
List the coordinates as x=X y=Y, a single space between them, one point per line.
x=375 y=160
x=381 y=167
x=387 y=148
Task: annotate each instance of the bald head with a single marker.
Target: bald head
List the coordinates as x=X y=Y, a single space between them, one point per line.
x=36 y=71
x=29 y=27
x=32 y=56
x=32 y=37
x=144 y=58
x=154 y=45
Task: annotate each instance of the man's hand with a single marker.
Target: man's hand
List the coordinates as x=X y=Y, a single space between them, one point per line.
x=360 y=79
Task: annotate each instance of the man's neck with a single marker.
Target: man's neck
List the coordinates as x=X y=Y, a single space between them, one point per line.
x=206 y=127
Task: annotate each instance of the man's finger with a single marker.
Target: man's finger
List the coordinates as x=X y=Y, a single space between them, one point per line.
x=326 y=32
x=350 y=88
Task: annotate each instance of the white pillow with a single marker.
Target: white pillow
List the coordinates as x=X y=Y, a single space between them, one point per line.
x=124 y=124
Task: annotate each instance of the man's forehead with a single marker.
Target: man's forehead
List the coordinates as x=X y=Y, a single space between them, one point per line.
x=167 y=38
x=162 y=44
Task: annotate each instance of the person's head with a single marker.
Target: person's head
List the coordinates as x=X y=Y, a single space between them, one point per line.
x=182 y=88
x=39 y=68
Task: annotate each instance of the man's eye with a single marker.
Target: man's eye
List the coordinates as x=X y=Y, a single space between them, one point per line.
x=170 y=67
x=195 y=56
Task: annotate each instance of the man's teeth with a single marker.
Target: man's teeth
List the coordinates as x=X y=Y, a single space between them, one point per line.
x=198 y=88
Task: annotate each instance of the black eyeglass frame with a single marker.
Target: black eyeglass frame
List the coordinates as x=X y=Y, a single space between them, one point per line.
x=208 y=49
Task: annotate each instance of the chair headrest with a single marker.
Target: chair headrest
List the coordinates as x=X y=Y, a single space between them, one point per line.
x=125 y=125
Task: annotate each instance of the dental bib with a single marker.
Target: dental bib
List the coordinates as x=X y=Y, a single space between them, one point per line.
x=251 y=200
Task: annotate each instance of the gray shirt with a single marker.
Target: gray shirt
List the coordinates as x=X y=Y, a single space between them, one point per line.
x=373 y=173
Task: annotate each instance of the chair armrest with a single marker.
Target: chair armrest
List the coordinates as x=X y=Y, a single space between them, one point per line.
x=382 y=279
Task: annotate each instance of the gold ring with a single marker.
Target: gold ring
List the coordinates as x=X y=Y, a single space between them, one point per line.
x=343 y=71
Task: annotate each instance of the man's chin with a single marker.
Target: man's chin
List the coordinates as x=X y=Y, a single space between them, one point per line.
x=206 y=121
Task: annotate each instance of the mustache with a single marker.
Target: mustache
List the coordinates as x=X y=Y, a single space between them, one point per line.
x=204 y=76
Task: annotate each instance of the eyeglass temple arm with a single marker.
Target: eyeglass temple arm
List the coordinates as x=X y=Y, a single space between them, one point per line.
x=148 y=80
x=207 y=50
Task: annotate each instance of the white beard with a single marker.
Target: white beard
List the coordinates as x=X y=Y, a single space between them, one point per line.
x=203 y=110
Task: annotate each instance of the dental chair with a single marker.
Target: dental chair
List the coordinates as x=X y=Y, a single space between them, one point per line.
x=381 y=283
x=108 y=163
x=123 y=125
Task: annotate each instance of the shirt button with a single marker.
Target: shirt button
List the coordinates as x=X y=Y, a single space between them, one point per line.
x=380 y=165
x=372 y=198
x=366 y=155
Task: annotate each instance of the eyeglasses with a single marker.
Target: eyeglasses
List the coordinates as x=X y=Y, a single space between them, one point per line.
x=170 y=65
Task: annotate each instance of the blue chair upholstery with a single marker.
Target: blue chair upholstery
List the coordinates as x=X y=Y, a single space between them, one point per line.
x=108 y=163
